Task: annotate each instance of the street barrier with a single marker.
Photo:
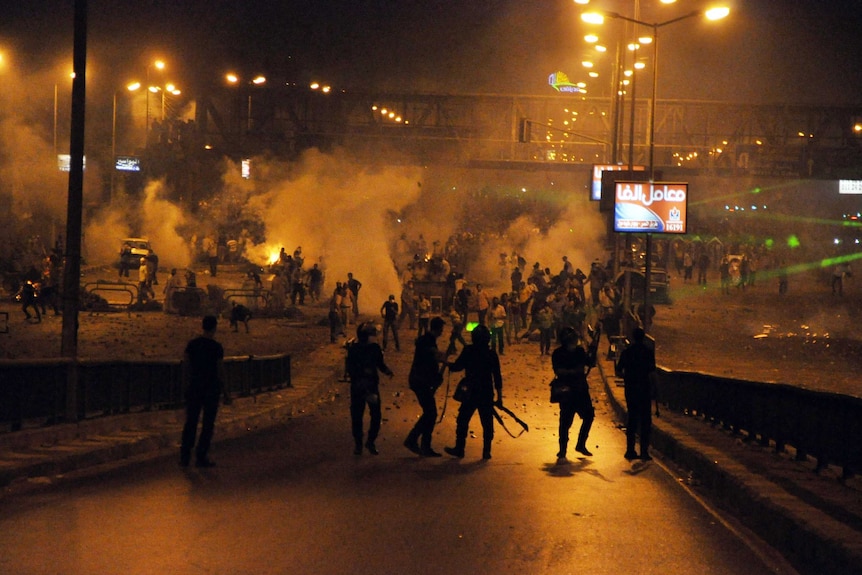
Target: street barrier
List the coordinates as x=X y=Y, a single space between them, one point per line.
x=825 y=426
x=36 y=393
x=96 y=302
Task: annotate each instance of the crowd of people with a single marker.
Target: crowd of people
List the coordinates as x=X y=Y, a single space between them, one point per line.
x=536 y=303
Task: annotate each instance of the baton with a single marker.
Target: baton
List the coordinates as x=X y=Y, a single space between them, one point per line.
x=446 y=395
x=508 y=412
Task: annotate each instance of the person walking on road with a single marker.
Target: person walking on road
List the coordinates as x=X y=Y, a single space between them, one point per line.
x=636 y=366
x=425 y=378
x=364 y=360
x=203 y=374
x=482 y=378
x=353 y=285
x=389 y=312
x=571 y=364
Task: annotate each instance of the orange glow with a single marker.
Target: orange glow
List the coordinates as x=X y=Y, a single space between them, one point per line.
x=274 y=254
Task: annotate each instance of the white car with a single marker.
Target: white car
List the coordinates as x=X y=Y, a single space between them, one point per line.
x=133 y=249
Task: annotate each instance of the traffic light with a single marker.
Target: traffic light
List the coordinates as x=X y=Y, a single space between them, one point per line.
x=524 y=130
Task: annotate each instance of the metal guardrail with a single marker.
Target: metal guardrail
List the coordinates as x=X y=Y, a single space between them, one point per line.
x=254 y=299
x=36 y=393
x=108 y=286
x=826 y=426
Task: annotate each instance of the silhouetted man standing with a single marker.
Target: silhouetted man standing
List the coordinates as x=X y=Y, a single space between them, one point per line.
x=637 y=368
x=203 y=375
x=425 y=378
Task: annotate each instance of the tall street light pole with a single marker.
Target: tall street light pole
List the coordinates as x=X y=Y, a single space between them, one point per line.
x=711 y=14
x=131 y=88
x=159 y=65
x=74 y=207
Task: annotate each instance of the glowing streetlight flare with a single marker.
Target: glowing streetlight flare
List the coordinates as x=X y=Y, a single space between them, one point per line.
x=717 y=13
x=258 y=80
x=232 y=78
x=593 y=18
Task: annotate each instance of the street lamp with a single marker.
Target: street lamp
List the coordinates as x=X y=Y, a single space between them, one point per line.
x=159 y=65
x=258 y=80
x=132 y=87
x=597 y=18
x=56 y=109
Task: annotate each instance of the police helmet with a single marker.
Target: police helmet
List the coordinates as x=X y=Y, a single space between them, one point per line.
x=481 y=335
x=568 y=335
x=366 y=330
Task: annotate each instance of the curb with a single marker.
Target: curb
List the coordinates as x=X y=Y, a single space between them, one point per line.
x=810 y=539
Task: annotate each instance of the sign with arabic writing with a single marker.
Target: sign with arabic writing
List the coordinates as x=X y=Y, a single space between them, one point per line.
x=127 y=164
x=658 y=207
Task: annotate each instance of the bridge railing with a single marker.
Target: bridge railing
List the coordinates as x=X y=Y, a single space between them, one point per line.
x=825 y=426
x=37 y=393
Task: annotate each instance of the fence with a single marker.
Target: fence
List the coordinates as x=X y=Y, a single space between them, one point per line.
x=826 y=426
x=34 y=393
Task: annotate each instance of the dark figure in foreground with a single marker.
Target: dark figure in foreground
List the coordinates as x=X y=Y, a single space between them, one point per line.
x=425 y=378
x=203 y=374
x=637 y=368
x=571 y=364
x=364 y=360
x=239 y=313
x=482 y=378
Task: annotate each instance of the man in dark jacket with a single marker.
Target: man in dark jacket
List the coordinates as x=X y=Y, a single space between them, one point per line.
x=389 y=312
x=637 y=368
x=483 y=379
x=425 y=378
x=364 y=360
x=571 y=363
x=203 y=372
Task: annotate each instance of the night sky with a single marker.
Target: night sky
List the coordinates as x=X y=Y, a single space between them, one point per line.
x=767 y=51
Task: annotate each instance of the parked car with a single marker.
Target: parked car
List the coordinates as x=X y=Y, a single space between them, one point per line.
x=132 y=250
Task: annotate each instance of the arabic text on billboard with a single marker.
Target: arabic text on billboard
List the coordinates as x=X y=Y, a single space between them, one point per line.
x=658 y=207
x=128 y=164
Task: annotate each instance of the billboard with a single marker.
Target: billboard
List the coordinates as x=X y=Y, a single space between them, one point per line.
x=850 y=186
x=64 y=162
x=127 y=164
x=659 y=207
x=596 y=180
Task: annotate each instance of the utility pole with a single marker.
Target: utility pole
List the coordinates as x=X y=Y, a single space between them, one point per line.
x=74 y=209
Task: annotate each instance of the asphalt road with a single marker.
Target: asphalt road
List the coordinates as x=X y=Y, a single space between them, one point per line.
x=295 y=499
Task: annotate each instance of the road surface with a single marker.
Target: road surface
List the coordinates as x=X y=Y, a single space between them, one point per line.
x=294 y=499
